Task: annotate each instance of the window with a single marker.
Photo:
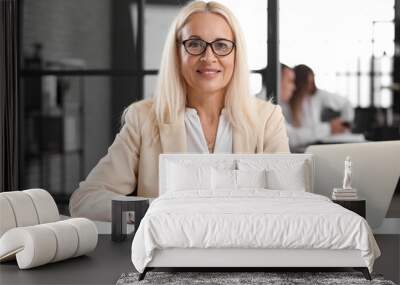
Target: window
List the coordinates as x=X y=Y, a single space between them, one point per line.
x=339 y=39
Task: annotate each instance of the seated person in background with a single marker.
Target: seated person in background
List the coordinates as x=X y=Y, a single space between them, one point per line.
x=202 y=104
x=301 y=136
x=304 y=106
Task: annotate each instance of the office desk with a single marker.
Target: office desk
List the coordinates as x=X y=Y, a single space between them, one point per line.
x=102 y=266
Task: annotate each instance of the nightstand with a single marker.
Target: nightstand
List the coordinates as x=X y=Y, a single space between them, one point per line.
x=121 y=207
x=357 y=206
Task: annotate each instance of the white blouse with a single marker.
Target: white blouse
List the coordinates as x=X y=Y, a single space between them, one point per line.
x=312 y=128
x=195 y=139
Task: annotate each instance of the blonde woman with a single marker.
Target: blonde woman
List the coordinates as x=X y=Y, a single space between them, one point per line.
x=201 y=105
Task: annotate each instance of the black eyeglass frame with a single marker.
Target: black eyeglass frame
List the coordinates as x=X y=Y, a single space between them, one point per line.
x=209 y=44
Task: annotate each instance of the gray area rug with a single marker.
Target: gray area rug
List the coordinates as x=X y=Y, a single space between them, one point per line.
x=273 y=278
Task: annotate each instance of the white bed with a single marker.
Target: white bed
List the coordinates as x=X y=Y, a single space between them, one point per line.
x=202 y=220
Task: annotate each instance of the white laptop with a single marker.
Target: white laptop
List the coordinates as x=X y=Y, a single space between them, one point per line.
x=375 y=173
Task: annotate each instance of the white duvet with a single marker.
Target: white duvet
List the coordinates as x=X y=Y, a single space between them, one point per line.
x=251 y=218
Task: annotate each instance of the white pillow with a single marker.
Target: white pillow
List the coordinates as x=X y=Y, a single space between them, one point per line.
x=182 y=177
x=282 y=174
x=293 y=180
x=224 y=179
x=251 y=178
x=236 y=179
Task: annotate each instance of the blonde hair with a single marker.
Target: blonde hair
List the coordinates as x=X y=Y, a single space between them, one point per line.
x=170 y=91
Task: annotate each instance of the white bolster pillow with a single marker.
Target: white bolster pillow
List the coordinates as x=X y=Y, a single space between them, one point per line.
x=26 y=208
x=32 y=246
x=7 y=218
x=45 y=205
x=87 y=235
x=67 y=240
x=40 y=244
x=24 y=211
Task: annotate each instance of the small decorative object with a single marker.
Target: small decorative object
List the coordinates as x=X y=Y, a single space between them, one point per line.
x=347 y=192
x=347 y=173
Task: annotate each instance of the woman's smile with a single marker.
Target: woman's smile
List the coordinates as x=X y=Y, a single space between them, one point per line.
x=208 y=73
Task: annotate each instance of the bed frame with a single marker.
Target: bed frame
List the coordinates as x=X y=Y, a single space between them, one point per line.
x=234 y=259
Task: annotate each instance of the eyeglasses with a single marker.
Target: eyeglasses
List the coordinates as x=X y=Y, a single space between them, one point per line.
x=220 y=47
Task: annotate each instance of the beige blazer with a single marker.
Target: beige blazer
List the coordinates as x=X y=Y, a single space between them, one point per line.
x=132 y=159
